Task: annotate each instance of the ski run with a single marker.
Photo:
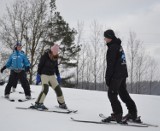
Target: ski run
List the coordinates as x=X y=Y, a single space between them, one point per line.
x=90 y=108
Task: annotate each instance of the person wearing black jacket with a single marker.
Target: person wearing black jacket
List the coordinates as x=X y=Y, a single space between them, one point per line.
x=116 y=74
x=47 y=69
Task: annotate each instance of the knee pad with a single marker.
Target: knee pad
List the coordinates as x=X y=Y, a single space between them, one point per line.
x=58 y=91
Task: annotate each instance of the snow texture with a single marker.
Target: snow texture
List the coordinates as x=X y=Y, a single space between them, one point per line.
x=88 y=103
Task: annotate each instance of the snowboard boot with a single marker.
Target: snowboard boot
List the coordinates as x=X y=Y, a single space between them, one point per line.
x=38 y=106
x=63 y=106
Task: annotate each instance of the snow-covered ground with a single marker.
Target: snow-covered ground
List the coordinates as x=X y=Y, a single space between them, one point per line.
x=88 y=103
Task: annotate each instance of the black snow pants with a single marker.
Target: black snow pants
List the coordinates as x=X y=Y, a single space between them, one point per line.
x=118 y=87
x=13 y=78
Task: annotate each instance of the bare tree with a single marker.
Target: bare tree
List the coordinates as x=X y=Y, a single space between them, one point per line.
x=133 y=48
x=80 y=26
x=25 y=22
x=96 y=35
x=104 y=65
x=152 y=70
x=141 y=67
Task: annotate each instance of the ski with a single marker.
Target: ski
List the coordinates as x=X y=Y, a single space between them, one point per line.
x=110 y=123
x=55 y=111
x=71 y=110
x=147 y=124
x=24 y=100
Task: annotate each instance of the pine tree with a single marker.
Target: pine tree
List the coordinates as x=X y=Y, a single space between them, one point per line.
x=59 y=30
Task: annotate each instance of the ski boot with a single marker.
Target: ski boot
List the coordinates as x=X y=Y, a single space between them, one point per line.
x=132 y=117
x=115 y=117
x=63 y=106
x=6 y=96
x=38 y=106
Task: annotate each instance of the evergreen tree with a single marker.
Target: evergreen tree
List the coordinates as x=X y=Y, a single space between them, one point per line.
x=59 y=30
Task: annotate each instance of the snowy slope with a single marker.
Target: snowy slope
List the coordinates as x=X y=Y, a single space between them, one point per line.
x=88 y=103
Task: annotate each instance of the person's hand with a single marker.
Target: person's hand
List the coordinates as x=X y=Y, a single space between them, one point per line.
x=2 y=69
x=59 y=78
x=38 y=79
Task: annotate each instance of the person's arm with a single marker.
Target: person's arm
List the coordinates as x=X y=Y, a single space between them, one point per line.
x=57 y=73
x=56 y=68
x=26 y=63
x=41 y=64
x=111 y=60
x=8 y=64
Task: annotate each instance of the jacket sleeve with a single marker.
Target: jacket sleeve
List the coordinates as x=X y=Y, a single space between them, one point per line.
x=41 y=64
x=56 y=69
x=26 y=61
x=111 y=60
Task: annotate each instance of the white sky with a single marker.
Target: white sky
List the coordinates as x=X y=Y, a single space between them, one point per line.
x=140 y=16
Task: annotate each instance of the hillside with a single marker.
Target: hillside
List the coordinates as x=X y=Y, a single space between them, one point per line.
x=88 y=103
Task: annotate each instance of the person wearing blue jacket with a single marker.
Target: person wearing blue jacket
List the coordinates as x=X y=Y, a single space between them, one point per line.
x=19 y=64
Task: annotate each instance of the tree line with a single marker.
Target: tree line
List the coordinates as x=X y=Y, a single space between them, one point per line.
x=143 y=70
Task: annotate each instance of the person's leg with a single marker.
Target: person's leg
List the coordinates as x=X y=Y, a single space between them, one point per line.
x=45 y=88
x=60 y=98
x=15 y=85
x=25 y=84
x=125 y=97
x=12 y=78
x=113 y=96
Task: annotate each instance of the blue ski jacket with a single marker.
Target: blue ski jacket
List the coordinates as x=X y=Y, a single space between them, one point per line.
x=18 y=61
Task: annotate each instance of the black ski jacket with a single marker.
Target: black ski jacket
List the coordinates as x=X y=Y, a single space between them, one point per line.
x=116 y=61
x=47 y=66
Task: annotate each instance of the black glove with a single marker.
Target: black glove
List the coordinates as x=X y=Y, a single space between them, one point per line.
x=4 y=67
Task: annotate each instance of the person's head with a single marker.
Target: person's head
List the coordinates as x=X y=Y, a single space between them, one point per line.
x=55 y=50
x=18 y=46
x=109 y=35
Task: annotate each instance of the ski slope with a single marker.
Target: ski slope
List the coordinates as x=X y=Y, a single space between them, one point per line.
x=88 y=103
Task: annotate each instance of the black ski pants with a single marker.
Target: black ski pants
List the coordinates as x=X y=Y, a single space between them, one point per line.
x=118 y=87
x=14 y=77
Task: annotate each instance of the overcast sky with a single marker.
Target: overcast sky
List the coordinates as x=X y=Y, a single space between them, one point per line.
x=140 y=16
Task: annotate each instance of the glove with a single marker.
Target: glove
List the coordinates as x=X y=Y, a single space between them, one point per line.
x=27 y=68
x=4 y=67
x=38 y=79
x=59 y=78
